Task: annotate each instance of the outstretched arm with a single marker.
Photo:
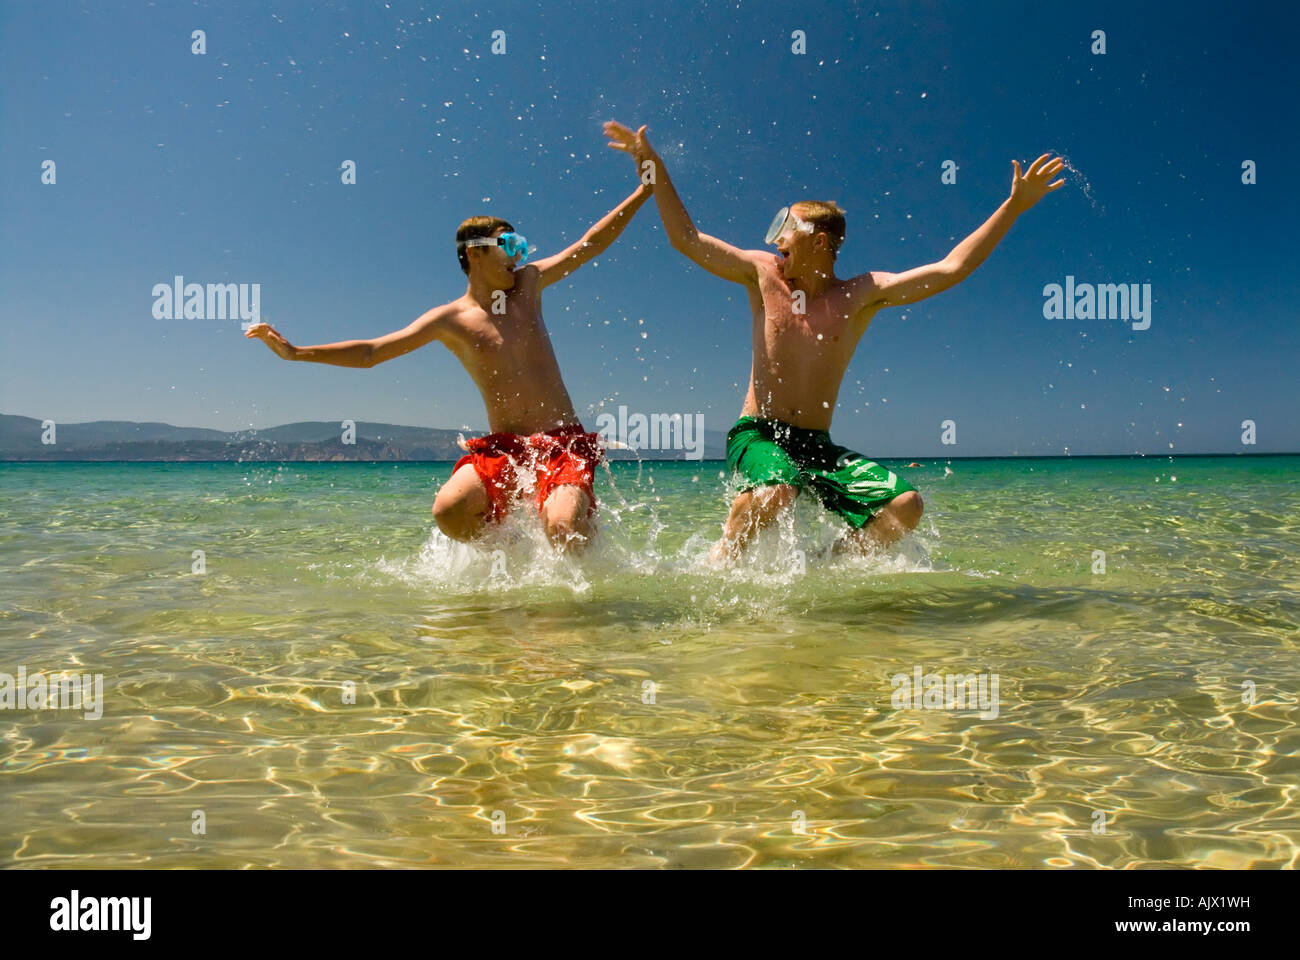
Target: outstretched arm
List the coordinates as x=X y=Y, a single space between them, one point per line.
x=593 y=243
x=896 y=289
x=714 y=255
x=357 y=353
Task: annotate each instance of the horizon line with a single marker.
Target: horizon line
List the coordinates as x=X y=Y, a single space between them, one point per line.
x=1021 y=456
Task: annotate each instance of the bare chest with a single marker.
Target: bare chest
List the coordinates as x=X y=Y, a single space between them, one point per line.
x=516 y=330
x=790 y=320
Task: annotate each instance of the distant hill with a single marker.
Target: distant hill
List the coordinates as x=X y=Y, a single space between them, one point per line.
x=20 y=439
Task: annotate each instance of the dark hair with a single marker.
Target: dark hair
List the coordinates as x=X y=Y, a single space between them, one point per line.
x=472 y=229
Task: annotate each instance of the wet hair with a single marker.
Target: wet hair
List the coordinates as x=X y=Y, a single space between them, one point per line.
x=472 y=229
x=827 y=217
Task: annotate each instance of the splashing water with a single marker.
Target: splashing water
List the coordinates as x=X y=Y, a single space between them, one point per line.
x=1084 y=183
x=794 y=555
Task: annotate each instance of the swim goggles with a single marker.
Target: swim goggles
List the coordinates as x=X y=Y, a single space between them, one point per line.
x=785 y=220
x=513 y=244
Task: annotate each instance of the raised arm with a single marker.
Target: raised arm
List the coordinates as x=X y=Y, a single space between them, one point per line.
x=593 y=243
x=897 y=289
x=714 y=255
x=358 y=353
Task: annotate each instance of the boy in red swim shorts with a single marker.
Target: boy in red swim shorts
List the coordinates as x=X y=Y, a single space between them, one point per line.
x=537 y=446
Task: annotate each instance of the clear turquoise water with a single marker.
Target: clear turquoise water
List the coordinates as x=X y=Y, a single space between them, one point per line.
x=504 y=716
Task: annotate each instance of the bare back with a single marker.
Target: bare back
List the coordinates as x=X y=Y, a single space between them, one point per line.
x=510 y=358
x=800 y=359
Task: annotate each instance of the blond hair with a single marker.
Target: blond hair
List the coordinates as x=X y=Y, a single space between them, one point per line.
x=827 y=217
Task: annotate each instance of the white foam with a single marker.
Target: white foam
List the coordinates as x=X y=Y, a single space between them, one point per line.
x=516 y=554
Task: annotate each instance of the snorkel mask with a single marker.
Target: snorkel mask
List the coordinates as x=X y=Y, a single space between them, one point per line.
x=512 y=244
x=785 y=220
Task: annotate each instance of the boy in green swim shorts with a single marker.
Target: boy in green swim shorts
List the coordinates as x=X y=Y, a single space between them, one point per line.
x=806 y=325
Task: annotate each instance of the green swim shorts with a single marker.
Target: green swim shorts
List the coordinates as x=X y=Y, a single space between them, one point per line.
x=764 y=452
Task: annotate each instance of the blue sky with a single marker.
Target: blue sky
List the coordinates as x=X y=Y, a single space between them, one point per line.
x=224 y=168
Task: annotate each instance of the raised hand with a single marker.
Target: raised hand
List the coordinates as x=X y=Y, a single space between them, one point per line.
x=636 y=144
x=272 y=338
x=1032 y=186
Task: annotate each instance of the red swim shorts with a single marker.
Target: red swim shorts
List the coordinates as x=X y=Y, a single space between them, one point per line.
x=511 y=464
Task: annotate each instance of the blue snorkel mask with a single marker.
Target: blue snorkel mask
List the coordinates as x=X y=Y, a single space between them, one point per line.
x=784 y=220
x=512 y=244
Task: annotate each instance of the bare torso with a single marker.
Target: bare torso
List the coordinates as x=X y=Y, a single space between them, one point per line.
x=510 y=358
x=800 y=359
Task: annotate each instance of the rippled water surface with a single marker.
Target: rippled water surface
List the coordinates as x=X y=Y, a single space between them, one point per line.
x=634 y=708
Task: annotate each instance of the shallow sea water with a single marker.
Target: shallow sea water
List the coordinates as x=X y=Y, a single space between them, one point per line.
x=634 y=708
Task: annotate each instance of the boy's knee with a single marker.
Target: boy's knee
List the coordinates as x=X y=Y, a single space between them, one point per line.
x=908 y=507
x=784 y=494
x=772 y=500
x=453 y=517
x=559 y=519
x=566 y=514
x=563 y=527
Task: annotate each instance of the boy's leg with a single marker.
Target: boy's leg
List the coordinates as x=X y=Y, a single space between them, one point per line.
x=891 y=523
x=567 y=517
x=773 y=479
x=462 y=505
x=566 y=495
x=751 y=511
x=879 y=505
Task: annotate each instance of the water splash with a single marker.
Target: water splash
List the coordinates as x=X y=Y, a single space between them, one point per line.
x=1084 y=183
x=794 y=559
